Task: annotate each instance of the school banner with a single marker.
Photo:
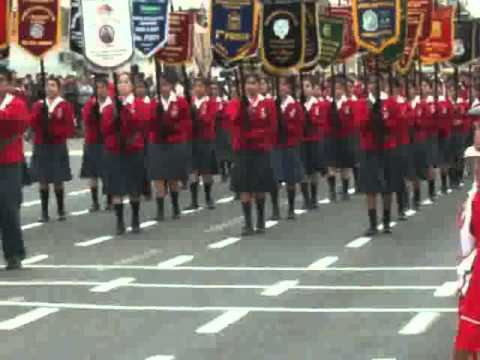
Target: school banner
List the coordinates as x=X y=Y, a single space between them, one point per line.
x=331 y=31
x=464 y=41
x=283 y=40
x=404 y=64
x=4 y=30
x=180 y=37
x=476 y=39
x=107 y=32
x=349 y=46
x=417 y=8
x=394 y=52
x=439 y=46
x=150 y=25
x=310 y=58
x=38 y=25
x=376 y=23
x=75 y=28
x=233 y=28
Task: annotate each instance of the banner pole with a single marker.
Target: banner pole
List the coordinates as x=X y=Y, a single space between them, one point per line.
x=45 y=114
x=117 y=109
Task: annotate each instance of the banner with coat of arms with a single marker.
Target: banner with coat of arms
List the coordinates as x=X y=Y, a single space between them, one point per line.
x=38 y=25
x=179 y=46
x=331 y=35
x=439 y=46
x=404 y=64
x=376 y=23
x=4 y=30
x=394 y=52
x=349 y=45
x=417 y=8
x=282 y=46
x=311 y=35
x=464 y=41
x=233 y=28
x=75 y=28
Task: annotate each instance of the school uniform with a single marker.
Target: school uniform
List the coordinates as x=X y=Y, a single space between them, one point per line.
x=423 y=145
x=345 y=134
x=13 y=123
x=445 y=116
x=286 y=159
x=203 y=136
x=404 y=138
x=311 y=153
x=50 y=162
x=223 y=144
x=327 y=141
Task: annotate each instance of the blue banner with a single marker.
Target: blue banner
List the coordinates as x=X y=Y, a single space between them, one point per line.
x=150 y=25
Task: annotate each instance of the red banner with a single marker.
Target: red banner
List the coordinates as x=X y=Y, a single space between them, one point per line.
x=4 y=29
x=439 y=46
x=413 y=38
x=180 y=40
x=349 y=47
x=38 y=25
x=417 y=8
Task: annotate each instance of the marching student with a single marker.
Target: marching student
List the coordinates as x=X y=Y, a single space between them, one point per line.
x=93 y=149
x=445 y=119
x=53 y=123
x=169 y=152
x=204 y=161
x=461 y=125
x=253 y=128
x=123 y=131
x=13 y=123
x=286 y=159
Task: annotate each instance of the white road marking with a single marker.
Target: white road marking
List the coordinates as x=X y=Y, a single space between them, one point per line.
x=27 y=318
x=300 y=212
x=31 y=203
x=187 y=212
x=111 y=285
x=324 y=201
x=229 y=223
x=145 y=225
x=226 y=200
x=80 y=213
x=176 y=261
x=384 y=359
x=221 y=322
x=410 y=212
x=79 y=192
x=95 y=241
x=358 y=243
x=448 y=289
x=271 y=223
x=161 y=357
x=323 y=263
x=419 y=323
x=427 y=202
x=139 y=257
x=280 y=287
x=87 y=306
x=34 y=259
x=351 y=191
x=224 y=243
x=31 y=226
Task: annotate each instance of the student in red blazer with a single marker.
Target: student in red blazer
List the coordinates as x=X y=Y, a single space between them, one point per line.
x=53 y=123
x=13 y=123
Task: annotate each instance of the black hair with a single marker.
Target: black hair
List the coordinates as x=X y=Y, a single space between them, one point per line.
x=4 y=71
x=56 y=80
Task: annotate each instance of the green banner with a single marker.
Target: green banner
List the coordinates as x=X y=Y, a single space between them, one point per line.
x=330 y=30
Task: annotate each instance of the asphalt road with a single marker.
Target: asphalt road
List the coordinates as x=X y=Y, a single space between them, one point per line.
x=194 y=290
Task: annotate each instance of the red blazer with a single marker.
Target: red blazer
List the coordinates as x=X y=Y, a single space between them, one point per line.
x=445 y=117
x=424 y=117
x=204 y=122
x=403 y=116
x=345 y=114
x=93 y=125
x=175 y=125
x=262 y=125
x=325 y=108
x=313 y=124
x=461 y=120
x=61 y=125
x=13 y=123
x=133 y=115
x=293 y=119
x=221 y=118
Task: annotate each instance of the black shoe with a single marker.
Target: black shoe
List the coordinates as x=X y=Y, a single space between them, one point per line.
x=210 y=205
x=402 y=216
x=247 y=231
x=387 y=229
x=13 y=264
x=291 y=215
x=44 y=219
x=108 y=207
x=159 y=217
x=333 y=197
x=136 y=229
x=94 y=208
x=121 y=229
x=371 y=232
x=191 y=207
x=416 y=206
x=275 y=217
x=62 y=216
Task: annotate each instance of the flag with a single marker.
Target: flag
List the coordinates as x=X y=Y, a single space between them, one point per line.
x=331 y=34
x=349 y=46
x=311 y=54
x=75 y=26
x=464 y=41
x=180 y=37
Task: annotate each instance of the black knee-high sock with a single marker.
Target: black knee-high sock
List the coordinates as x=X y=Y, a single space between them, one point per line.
x=44 y=197
x=305 y=194
x=443 y=177
x=401 y=201
x=313 y=193
x=160 y=208
x=431 y=188
x=247 y=214
x=59 y=194
x=135 y=205
x=94 y=193
x=119 y=214
x=194 y=193
x=416 y=197
x=208 y=192
x=275 y=204
x=332 y=186
x=345 y=186
x=260 y=213
x=175 y=206
x=291 y=200
x=372 y=217
x=355 y=177
x=386 y=218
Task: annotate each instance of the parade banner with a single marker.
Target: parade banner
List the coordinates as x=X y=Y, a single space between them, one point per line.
x=150 y=25
x=233 y=28
x=464 y=42
x=376 y=23
x=38 y=25
x=439 y=46
x=75 y=32
x=311 y=36
x=283 y=40
x=180 y=37
x=417 y=8
x=476 y=39
x=394 y=52
x=349 y=46
x=404 y=64
x=107 y=32
x=331 y=35
x=4 y=30
x=202 y=50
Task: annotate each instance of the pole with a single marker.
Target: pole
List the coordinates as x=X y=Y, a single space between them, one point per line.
x=116 y=113
x=45 y=113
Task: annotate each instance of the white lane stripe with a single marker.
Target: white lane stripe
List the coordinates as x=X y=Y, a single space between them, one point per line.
x=365 y=287
x=80 y=213
x=31 y=226
x=324 y=201
x=187 y=212
x=271 y=223
x=427 y=202
x=221 y=322
x=111 y=285
x=31 y=203
x=176 y=261
x=161 y=357
x=300 y=212
x=145 y=225
x=79 y=192
x=323 y=263
x=410 y=212
x=358 y=243
x=94 y=241
x=280 y=287
x=27 y=318
x=448 y=289
x=34 y=259
x=419 y=323
x=226 y=200
x=384 y=359
x=224 y=243
x=87 y=306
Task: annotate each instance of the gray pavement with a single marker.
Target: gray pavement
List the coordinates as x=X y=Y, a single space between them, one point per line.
x=302 y=291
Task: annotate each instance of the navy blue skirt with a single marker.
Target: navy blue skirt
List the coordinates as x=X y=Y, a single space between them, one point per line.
x=444 y=151
x=92 y=161
x=223 y=145
x=457 y=145
x=287 y=165
x=380 y=172
x=252 y=172
x=125 y=173
x=50 y=163
x=203 y=157
x=434 y=158
x=311 y=157
x=345 y=156
x=169 y=161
